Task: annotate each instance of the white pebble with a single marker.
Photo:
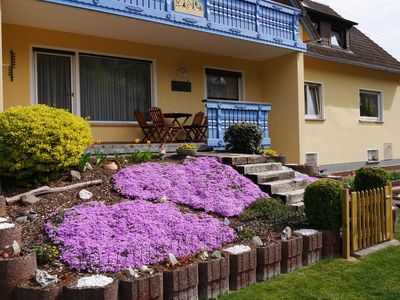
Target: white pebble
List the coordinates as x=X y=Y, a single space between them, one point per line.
x=94 y=281
x=238 y=249
x=2 y=220
x=306 y=232
x=6 y=225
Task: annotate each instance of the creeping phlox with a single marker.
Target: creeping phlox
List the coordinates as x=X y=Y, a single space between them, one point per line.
x=201 y=183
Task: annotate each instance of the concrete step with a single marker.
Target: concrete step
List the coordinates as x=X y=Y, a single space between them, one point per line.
x=292 y=197
x=258 y=168
x=270 y=176
x=282 y=186
x=242 y=159
x=299 y=206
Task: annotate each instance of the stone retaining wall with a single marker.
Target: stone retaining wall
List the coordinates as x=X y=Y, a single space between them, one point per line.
x=242 y=269
x=269 y=261
x=292 y=254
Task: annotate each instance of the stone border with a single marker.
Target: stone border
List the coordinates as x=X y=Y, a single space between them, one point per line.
x=269 y=261
x=51 y=292
x=8 y=235
x=214 y=277
x=331 y=243
x=181 y=282
x=292 y=254
x=108 y=292
x=144 y=288
x=242 y=269
x=15 y=269
x=312 y=245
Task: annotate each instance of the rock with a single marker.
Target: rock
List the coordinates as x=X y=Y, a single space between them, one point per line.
x=110 y=165
x=12 y=250
x=203 y=255
x=238 y=249
x=163 y=199
x=226 y=221
x=130 y=272
x=85 y=195
x=4 y=219
x=75 y=175
x=146 y=269
x=216 y=254
x=172 y=259
x=287 y=232
x=44 y=279
x=257 y=241
x=30 y=199
x=22 y=220
x=31 y=215
x=239 y=228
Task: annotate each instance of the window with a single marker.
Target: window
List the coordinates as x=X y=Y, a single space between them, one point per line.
x=372 y=155
x=223 y=85
x=370 y=105
x=313 y=100
x=337 y=38
x=112 y=88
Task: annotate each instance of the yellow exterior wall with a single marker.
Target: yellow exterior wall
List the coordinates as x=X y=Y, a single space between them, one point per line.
x=342 y=137
x=167 y=62
x=284 y=89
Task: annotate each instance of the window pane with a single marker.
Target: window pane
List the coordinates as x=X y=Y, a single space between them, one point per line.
x=112 y=88
x=54 y=80
x=369 y=105
x=222 y=85
x=312 y=100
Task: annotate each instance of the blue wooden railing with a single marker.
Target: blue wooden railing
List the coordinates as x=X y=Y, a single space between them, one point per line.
x=261 y=21
x=221 y=114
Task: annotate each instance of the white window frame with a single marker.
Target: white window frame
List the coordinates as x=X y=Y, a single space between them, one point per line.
x=380 y=105
x=321 y=115
x=76 y=103
x=241 y=83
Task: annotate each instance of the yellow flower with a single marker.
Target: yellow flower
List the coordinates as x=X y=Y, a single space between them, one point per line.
x=98 y=141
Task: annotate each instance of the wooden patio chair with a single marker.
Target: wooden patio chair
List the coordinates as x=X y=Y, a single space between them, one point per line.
x=164 y=131
x=203 y=130
x=195 y=128
x=147 y=129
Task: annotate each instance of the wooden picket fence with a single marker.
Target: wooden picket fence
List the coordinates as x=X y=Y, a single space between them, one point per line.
x=367 y=219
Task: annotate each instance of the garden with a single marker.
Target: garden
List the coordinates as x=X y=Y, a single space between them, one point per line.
x=145 y=226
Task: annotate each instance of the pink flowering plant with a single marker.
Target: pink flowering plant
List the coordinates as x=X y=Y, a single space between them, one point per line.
x=94 y=237
x=200 y=183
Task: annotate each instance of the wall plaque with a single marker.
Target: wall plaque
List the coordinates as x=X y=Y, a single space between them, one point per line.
x=181 y=86
x=191 y=7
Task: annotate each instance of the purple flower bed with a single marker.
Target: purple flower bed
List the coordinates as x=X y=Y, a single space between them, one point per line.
x=201 y=183
x=99 y=238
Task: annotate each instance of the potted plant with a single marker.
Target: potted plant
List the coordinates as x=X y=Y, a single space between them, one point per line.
x=184 y=150
x=273 y=155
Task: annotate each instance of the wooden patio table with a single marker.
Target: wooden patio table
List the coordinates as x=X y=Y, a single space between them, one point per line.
x=178 y=123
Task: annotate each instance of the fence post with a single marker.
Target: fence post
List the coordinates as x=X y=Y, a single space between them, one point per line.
x=389 y=207
x=346 y=224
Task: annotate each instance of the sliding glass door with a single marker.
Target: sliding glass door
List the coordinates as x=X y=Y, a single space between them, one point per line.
x=54 y=79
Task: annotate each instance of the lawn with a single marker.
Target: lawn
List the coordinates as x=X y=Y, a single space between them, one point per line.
x=374 y=277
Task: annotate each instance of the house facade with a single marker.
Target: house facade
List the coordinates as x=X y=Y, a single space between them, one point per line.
x=334 y=93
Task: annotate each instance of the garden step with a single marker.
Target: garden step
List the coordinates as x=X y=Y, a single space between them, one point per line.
x=258 y=168
x=270 y=176
x=282 y=186
x=242 y=159
x=292 y=197
x=299 y=206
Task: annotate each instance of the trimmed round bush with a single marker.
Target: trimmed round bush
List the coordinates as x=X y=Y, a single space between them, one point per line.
x=370 y=178
x=38 y=141
x=243 y=138
x=322 y=204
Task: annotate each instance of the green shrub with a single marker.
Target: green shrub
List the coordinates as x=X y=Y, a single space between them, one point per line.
x=394 y=175
x=322 y=204
x=243 y=138
x=38 y=141
x=138 y=156
x=370 y=178
x=274 y=211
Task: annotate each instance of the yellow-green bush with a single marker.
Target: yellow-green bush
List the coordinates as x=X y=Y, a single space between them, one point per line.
x=37 y=141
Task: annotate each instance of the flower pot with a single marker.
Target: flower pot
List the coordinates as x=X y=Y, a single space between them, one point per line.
x=279 y=158
x=110 y=165
x=8 y=235
x=292 y=254
x=181 y=282
x=108 y=292
x=242 y=269
x=213 y=278
x=269 y=261
x=144 y=287
x=25 y=290
x=186 y=152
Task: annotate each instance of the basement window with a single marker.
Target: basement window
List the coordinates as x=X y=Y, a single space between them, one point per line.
x=372 y=155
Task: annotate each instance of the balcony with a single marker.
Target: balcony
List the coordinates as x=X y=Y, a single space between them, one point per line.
x=259 y=21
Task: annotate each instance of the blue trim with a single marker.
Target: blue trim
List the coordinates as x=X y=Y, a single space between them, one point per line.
x=221 y=114
x=260 y=21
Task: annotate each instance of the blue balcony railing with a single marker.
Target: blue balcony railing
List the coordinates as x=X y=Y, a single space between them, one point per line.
x=221 y=114
x=262 y=21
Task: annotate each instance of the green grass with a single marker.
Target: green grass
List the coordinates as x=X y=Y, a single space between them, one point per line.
x=374 y=277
